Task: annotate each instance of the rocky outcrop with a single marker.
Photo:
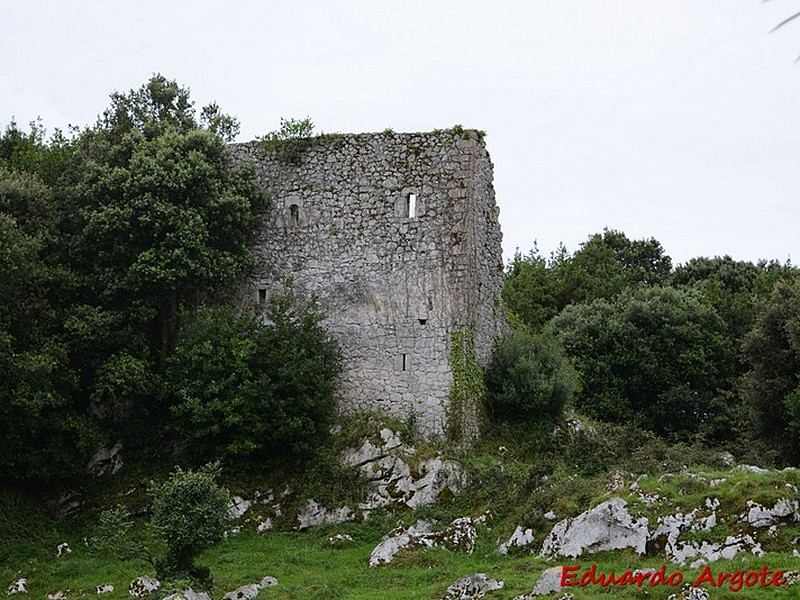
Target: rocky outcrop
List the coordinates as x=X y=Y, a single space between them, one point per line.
x=313 y=514
x=394 y=482
x=519 y=539
x=459 y=536
x=607 y=526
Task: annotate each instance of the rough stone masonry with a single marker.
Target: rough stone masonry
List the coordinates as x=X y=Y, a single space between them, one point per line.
x=397 y=237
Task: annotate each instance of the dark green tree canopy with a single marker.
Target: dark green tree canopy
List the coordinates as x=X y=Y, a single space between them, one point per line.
x=654 y=356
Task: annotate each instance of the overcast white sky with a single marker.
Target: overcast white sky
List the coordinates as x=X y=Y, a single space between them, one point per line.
x=673 y=119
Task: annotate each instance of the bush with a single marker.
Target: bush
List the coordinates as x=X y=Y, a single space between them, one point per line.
x=247 y=391
x=190 y=513
x=528 y=380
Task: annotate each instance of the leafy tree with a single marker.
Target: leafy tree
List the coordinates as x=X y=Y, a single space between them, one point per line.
x=536 y=289
x=31 y=153
x=159 y=218
x=247 y=391
x=772 y=384
x=528 y=381
x=654 y=356
x=44 y=428
x=190 y=512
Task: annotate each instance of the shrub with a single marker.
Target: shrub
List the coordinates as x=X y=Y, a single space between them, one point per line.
x=190 y=512
x=528 y=380
x=248 y=391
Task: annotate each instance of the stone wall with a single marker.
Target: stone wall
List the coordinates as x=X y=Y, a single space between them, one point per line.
x=397 y=237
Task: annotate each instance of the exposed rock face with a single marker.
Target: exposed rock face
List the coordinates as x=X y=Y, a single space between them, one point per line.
x=314 y=514
x=106 y=461
x=189 y=594
x=760 y=516
x=460 y=536
x=608 y=526
x=143 y=586
x=472 y=586
x=518 y=539
x=393 y=481
x=397 y=236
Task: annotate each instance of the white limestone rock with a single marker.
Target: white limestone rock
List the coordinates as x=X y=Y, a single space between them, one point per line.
x=245 y=592
x=607 y=526
x=550 y=581
x=188 y=594
x=265 y=525
x=760 y=516
x=313 y=514
x=238 y=506
x=59 y=595
x=415 y=535
x=519 y=539
x=143 y=586
x=751 y=469
x=472 y=586
x=20 y=586
x=104 y=589
x=268 y=582
x=63 y=549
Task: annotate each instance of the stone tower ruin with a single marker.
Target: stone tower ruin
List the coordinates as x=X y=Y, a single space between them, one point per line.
x=397 y=237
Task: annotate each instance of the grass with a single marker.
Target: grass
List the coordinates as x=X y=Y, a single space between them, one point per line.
x=307 y=566
x=519 y=488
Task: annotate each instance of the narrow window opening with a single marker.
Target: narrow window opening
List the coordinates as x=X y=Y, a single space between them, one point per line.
x=294 y=215
x=405 y=362
x=262 y=295
x=411 y=201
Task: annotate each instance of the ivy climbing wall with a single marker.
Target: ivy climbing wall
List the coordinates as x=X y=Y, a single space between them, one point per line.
x=397 y=237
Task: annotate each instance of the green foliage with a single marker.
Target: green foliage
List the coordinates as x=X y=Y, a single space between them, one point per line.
x=114 y=535
x=31 y=153
x=536 y=289
x=529 y=381
x=772 y=384
x=657 y=357
x=190 y=513
x=158 y=217
x=43 y=428
x=246 y=391
x=468 y=391
x=291 y=141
